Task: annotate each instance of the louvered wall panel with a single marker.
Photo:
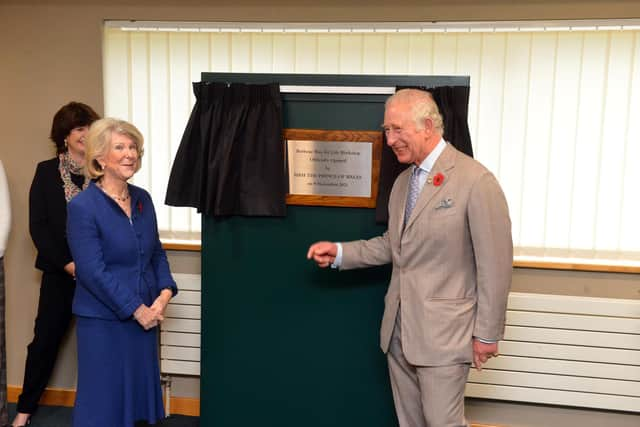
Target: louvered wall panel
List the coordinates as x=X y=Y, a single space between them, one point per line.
x=180 y=331
x=565 y=350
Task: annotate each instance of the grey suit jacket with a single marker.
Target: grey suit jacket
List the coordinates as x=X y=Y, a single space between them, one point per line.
x=452 y=263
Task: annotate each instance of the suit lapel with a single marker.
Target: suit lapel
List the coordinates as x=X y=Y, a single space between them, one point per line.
x=444 y=166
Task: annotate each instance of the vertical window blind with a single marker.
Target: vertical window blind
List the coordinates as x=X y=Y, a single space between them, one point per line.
x=553 y=110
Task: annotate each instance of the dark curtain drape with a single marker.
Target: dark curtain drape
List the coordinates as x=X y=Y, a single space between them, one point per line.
x=453 y=102
x=231 y=156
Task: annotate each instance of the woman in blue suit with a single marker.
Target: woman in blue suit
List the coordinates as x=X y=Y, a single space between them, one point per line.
x=123 y=284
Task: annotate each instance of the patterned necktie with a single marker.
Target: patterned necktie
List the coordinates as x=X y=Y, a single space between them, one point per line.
x=414 y=192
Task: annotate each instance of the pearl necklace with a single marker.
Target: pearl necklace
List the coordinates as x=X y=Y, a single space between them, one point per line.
x=113 y=196
x=119 y=199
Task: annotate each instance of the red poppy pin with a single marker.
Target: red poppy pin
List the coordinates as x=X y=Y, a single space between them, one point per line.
x=438 y=179
x=139 y=206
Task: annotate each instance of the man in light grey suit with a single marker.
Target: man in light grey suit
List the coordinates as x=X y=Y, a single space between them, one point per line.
x=449 y=239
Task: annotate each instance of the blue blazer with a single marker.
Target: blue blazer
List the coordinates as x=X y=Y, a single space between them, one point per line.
x=120 y=263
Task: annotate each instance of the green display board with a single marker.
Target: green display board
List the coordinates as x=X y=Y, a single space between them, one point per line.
x=284 y=343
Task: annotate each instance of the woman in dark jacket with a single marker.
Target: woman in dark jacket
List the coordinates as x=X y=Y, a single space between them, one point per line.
x=55 y=183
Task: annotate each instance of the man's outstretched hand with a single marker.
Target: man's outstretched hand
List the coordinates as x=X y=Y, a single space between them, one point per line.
x=323 y=253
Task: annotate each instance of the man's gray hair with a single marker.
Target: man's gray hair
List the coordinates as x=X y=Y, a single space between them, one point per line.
x=423 y=107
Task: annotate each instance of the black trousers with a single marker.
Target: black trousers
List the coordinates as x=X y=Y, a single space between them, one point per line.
x=51 y=325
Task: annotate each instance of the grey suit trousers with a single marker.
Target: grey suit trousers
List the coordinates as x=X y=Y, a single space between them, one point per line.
x=425 y=396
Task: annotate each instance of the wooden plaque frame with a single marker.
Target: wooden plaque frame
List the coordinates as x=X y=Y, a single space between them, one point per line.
x=374 y=137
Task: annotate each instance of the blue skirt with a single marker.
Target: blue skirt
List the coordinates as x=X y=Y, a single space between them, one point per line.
x=118 y=374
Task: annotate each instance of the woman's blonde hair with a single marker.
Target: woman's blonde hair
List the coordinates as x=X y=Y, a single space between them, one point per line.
x=99 y=143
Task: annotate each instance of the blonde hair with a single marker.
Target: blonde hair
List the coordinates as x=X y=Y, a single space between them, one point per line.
x=423 y=107
x=99 y=143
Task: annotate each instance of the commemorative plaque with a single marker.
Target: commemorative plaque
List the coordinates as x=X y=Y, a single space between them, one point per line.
x=333 y=168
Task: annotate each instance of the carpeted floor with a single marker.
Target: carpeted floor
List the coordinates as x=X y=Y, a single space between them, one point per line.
x=59 y=416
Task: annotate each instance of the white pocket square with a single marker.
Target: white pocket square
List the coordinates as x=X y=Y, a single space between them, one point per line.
x=445 y=203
